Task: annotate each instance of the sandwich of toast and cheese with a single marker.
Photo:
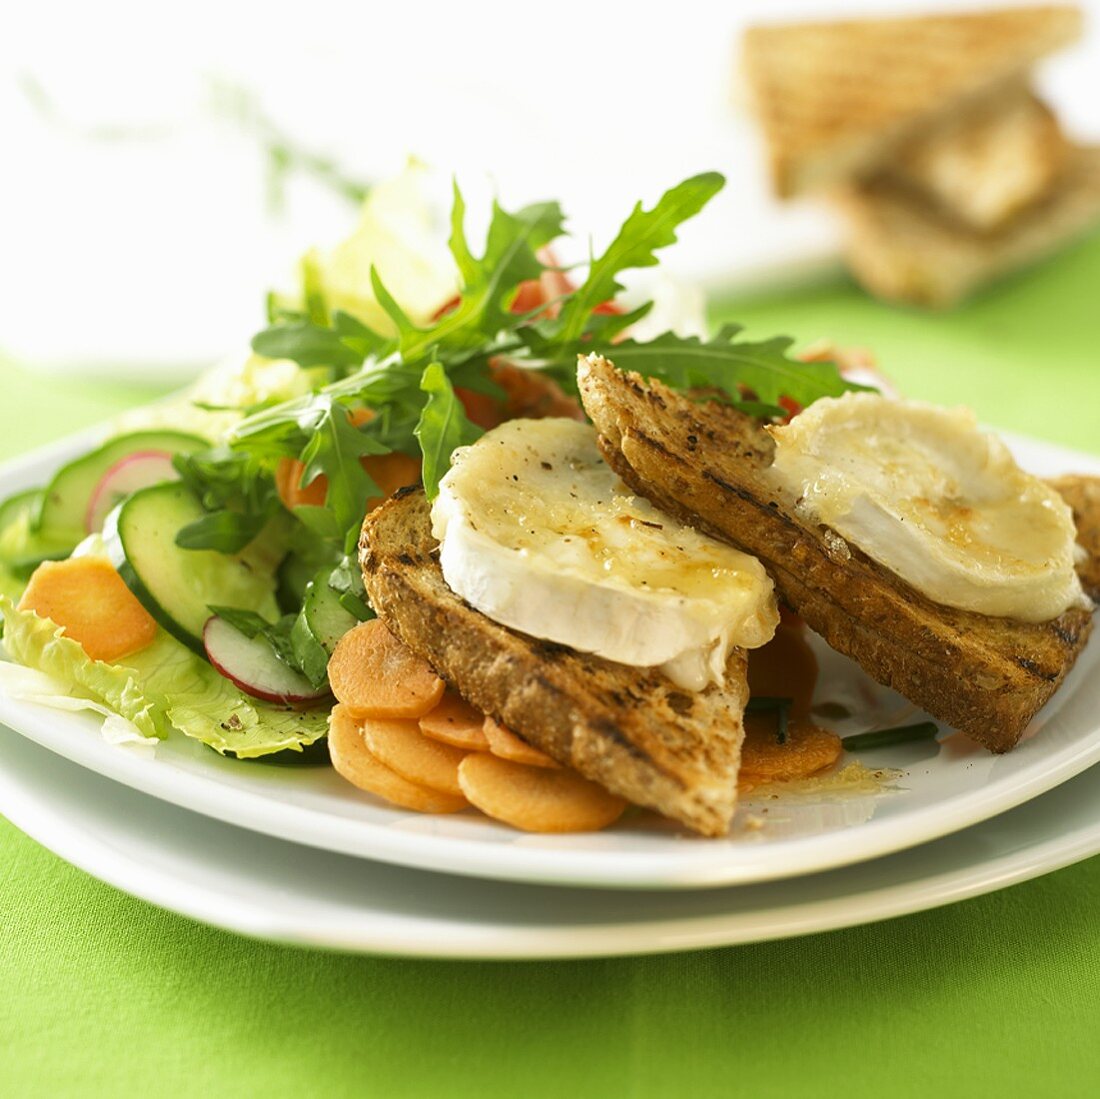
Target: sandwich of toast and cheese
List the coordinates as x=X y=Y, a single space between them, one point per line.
x=903 y=535
x=604 y=632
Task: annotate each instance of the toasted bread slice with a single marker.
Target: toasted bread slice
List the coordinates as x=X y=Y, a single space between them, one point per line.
x=836 y=99
x=1083 y=496
x=902 y=249
x=704 y=463
x=629 y=729
x=984 y=165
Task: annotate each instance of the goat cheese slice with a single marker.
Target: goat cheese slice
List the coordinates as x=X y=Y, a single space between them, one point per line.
x=924 y=492
x=538 y=533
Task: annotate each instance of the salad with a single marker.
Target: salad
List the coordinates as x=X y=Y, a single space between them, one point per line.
x=194 y=573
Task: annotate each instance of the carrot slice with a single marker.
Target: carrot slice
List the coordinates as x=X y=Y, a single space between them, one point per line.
x=455 y=721
x=375 y=675
x=535 y=799
x=807 y=750
x=390 y=472
x=505 y=744
x=93 y=604
x=353 y=760
x=402 y=747
x=288 y=484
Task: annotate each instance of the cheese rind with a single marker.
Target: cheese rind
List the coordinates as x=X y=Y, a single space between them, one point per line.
x=539 y=534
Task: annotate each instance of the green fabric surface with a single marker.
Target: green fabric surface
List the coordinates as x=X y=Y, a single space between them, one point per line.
x=101 y=994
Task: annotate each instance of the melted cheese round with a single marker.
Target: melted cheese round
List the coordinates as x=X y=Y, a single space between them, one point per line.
x=940 y=503
x=539 y=534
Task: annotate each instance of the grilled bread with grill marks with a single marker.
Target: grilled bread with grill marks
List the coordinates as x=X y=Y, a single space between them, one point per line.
x=629 y=729
x=704 y=463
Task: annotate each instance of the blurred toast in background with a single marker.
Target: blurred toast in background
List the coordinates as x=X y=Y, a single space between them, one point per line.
x=902 y=248
x=949 y=170
x=984 y=164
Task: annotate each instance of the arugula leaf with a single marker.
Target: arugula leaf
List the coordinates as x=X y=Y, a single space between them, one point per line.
x=222 y=530
x=334 y=448
x=442 y=427
x=489 y=285
x=306 y=343
x=643 y=232
x=724 y=362
x=238 y=493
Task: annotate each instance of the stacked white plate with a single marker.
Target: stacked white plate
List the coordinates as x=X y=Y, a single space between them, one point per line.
x=293 y=853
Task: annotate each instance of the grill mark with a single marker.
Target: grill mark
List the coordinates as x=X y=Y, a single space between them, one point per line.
x=1034 y=669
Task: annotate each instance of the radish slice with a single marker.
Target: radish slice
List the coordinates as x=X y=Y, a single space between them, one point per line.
x=138 y=470
x=250 y=663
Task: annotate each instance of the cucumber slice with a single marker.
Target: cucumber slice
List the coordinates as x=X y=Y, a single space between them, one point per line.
x=321 y=623
x=22 y=503
x=177 y=586
x=65 y=500
x=22 y=549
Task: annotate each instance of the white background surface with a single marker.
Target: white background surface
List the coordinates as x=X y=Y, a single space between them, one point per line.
x=136 y=235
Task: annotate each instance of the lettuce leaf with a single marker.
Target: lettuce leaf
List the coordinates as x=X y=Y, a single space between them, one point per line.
x=161 y=688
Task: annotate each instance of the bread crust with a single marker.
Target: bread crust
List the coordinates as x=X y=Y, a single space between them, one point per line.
x=1083 y=496
x=629 y=729
x=703 y=462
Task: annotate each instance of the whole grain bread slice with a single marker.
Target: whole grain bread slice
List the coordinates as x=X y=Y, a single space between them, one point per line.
x=629 y=729
x=705 y=464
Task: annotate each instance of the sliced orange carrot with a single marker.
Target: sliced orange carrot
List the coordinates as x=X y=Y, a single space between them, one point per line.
x=354 y=761
x=806 y=750
x=93 y=604
x=402 y=747
x=535 y=799
x=455 y=721
x=390 y=472
x=505 y=744
x=375 y=675
x=288 y=484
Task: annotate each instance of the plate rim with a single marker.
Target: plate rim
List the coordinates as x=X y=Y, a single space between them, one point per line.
x=680 y=869
x=401 y=936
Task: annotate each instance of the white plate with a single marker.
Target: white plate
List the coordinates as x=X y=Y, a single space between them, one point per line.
x=269 y=889
x=943 y=788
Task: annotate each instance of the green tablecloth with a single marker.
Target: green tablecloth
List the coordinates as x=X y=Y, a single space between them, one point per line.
x=101 y=994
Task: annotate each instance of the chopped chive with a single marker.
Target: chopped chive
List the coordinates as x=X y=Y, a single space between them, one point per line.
x=899 y=734
x=781 y=719
x=759 y=703
x=782 y=708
